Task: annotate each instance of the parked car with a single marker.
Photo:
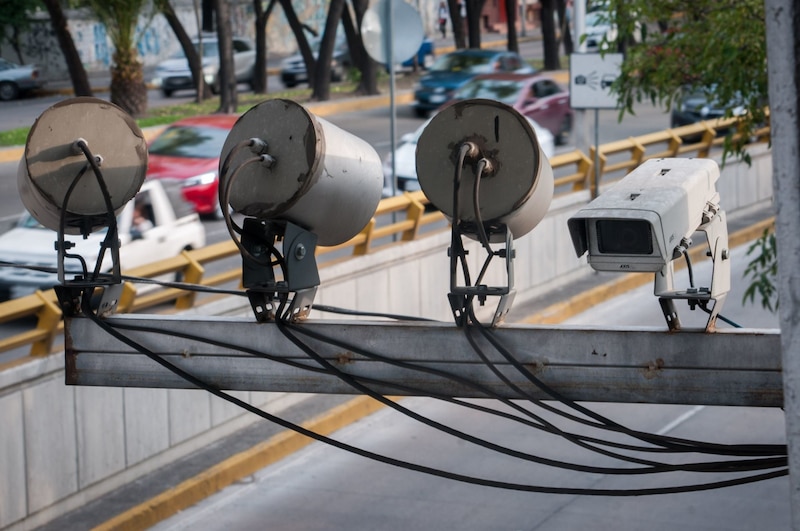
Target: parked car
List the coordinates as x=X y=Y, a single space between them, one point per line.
x=405 y=155
x=189 y=151
x=169 y=227
x=696 y=104
x=293 y=68
x=16 y=79
x=175 y=74
x=452 y=70
x=537 y=96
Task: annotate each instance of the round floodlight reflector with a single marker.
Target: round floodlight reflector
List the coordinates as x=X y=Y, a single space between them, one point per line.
x=317 y=175
x=55 y=174
x=515 y=188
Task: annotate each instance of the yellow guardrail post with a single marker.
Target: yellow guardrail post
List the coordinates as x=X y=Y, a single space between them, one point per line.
x=49 y=323
x=192 y=274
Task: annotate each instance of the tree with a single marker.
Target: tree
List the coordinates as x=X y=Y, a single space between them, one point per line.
x=120 y=18
x=77 y=73
x=262 y=17
x=321 y=81
x=717 y=45
x=228 y=96
x=549 y=41
x=189 y=50
x=367 y=66
x=511 y=22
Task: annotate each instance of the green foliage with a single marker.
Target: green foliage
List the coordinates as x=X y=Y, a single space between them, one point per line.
x=719 y=45
x=763 y=272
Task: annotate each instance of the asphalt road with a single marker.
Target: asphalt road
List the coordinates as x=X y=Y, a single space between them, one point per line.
x=322 y=488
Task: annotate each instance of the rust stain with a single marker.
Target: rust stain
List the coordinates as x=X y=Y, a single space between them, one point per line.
x=653 y=368
x=343 y=358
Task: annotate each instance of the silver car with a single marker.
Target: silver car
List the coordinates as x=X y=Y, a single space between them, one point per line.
x=16 y=79
x=174 y=73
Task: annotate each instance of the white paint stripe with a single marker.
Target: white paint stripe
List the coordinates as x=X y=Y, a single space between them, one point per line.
x=680 y=420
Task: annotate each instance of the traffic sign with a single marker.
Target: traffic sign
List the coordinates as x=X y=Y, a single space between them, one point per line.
x=590 y=78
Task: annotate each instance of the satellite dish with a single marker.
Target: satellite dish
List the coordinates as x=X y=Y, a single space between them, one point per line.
x=46 y=176
x=376 y=30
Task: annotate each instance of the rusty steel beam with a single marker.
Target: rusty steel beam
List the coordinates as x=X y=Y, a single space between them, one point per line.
x=642 y=365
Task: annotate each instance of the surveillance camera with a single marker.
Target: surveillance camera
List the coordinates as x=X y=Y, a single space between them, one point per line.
x=643 y=222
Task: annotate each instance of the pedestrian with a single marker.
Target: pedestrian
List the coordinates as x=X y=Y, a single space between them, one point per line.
x=443 y=19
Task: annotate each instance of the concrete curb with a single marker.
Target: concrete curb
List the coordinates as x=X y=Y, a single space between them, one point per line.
x=238 y=466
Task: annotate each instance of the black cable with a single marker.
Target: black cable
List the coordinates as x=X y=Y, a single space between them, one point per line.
x=412 y=466
x=677 y=444
x=653 y=467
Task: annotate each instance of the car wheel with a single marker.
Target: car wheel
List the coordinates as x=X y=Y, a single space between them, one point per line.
x=421 y=113
x=8 y=91
x=563 y=133
x=289 y=84
x=167 y=92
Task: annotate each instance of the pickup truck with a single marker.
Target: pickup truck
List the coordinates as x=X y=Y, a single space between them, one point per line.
x=170 y=226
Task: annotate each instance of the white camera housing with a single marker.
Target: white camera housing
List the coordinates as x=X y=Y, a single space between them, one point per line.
x=639 y=224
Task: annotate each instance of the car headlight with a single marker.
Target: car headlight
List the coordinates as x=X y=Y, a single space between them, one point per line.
x=202 y=179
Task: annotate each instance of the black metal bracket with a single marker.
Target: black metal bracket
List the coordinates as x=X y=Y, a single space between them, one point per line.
x=297 y=285
x=461 y=298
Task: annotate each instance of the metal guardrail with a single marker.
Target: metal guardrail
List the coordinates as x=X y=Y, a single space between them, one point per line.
x=573 y=171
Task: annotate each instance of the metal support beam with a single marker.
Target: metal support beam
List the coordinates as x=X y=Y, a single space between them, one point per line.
x=644 y=365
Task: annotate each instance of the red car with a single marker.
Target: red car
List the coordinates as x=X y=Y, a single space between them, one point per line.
x=537 y=96
x=189 y=151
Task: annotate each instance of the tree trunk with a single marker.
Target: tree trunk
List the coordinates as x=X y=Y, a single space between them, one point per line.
x=459 y=21
x=226 y=78
x=368 y=82
x=189 y=50
x=300 y=37
x=565 y=21
x=260 y=68
x=128 y=90
x=551 y=61
x=321 y=88
x=474 y=8
x=80 y=81
x=511 y=21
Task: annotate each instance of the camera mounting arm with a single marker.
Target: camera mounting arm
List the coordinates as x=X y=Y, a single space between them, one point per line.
x=715 y=229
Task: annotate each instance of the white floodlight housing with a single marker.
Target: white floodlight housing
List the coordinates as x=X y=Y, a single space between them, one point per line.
x=297 y=179
x=480 y=163
x=516 y=184
x=315 y=174
x=84 y=159
x=55 y=177
x=646 y=220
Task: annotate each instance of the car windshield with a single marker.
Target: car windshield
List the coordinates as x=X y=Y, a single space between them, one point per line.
x=502 y=90
x=209 y=50
x=194 y=142
x=463 y=63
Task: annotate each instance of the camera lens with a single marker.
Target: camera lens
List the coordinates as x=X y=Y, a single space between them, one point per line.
x=623 y=236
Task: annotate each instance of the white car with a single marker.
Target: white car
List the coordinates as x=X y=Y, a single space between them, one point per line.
x=169 y=227
x=406 y=164
x=175 y=74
